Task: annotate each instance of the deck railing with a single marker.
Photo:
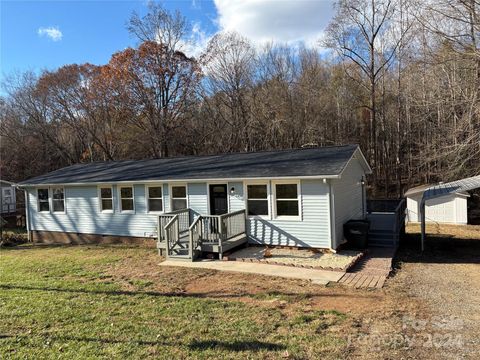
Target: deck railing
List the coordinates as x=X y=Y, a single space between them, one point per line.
x=383 y=205
x=204 y=229
x=210 y=228
x=183 y=218
x=233 y=224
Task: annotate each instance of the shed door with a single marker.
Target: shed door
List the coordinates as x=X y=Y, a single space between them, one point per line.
x=218 y=199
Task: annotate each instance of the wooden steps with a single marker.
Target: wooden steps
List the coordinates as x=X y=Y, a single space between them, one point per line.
x=358 y=280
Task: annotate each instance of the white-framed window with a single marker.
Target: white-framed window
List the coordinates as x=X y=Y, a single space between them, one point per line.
x=179 y=197
x=126 y=199
x=287 y=200
x=154 y=195
x=43 y=200
x=58 y=199
x=257 y=199
x=105 y=195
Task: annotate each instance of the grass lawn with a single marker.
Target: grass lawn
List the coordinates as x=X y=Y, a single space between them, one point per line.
x=116 y=302
x=78 y=302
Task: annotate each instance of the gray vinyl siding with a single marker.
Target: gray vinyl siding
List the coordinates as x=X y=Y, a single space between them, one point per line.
x=83 y=214
x=348 y=199
x=197 y=198
x=236 y=201
x=313 y=230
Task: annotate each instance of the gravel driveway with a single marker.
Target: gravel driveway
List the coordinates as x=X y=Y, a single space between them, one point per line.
x=446 y=278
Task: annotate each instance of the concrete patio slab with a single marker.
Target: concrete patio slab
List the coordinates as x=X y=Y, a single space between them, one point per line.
x=317 y=276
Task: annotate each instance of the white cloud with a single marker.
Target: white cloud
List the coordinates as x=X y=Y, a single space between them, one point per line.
x=53 y=32
x=285 y=21
x=197 y=41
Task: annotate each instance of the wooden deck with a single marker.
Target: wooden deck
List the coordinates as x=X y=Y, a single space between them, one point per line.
x=371 y=271
x=184 y=234
x=210 y=246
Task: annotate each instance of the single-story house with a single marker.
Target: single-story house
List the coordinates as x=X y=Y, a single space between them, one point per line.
x=299 y=197
x=7 y=197
x=450 y=208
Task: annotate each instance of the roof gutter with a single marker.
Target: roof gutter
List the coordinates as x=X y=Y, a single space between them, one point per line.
x=22 y=186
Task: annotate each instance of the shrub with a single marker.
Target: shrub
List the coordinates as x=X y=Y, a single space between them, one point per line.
x=13 y=239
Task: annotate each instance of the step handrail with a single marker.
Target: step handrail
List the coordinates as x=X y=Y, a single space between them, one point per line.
x=195 y=222
x=172 y=240
x=195 y=237
x=399 y=212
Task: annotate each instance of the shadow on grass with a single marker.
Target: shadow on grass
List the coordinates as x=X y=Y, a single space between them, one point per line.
x=206 y=295
x=439 y=249
x=250 y=345
x=37 y=246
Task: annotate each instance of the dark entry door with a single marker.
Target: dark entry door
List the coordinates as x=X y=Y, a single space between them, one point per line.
x=218 y=199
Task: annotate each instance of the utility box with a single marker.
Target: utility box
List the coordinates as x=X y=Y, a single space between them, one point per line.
x=356 y=233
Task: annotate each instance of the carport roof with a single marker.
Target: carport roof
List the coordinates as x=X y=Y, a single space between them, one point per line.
x=452 y=187
x=436 y=191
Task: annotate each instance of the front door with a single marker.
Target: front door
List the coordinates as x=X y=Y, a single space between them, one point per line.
x=218 y=199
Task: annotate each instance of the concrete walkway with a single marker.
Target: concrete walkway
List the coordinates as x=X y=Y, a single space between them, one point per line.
x=321 y=277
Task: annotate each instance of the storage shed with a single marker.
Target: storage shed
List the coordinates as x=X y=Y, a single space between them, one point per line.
x=451 y=208
x=442 y=190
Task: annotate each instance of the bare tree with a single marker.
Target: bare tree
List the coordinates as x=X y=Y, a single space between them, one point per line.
x=161 y=26
x=159 y=77
x=229 y=64
x=355 y=33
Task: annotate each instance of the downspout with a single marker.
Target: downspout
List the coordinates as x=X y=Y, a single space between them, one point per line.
x=27 y=215
x=364 y=198
x=333 y=233
x=422 y=214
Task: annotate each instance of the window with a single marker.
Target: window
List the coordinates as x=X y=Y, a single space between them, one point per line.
x=126 y=199
x=58 y=200
x=179 y=197
x=106 y=199
x=286 y=200
x=257 y=200
x=43 y=203
x=8 y=204
x=154 y=199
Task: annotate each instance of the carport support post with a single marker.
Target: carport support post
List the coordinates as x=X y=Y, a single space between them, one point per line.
x=422 y=212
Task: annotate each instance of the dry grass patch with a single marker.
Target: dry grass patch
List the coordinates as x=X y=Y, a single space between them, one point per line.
x=446 y=230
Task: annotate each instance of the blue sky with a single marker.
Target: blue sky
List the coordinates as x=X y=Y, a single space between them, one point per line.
x=38 y=35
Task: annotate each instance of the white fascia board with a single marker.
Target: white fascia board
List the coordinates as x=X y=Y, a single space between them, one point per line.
x=363 y=162
x=184 y=180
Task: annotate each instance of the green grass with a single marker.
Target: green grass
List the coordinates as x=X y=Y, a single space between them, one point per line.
x=59 y=302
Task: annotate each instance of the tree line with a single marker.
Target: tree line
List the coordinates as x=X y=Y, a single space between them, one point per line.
x=399 y=77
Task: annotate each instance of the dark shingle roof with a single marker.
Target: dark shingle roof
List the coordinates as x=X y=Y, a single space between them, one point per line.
x=321 y=161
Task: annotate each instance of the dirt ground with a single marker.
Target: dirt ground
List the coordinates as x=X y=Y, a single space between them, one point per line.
x=428 y=309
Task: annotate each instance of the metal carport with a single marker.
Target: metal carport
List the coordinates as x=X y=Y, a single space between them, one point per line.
x=443 y=189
